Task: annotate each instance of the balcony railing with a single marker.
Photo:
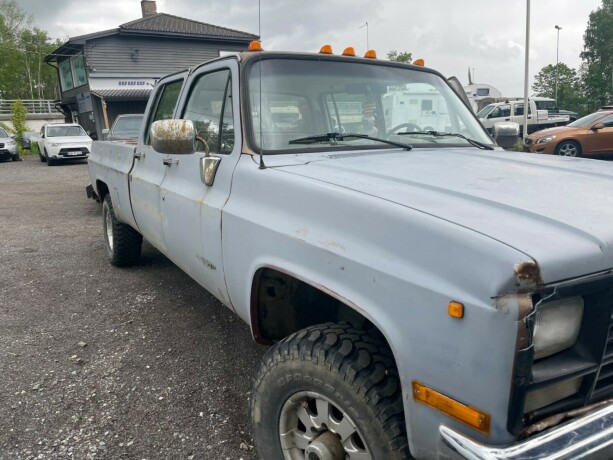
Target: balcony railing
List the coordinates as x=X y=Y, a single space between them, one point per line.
x=32 y=106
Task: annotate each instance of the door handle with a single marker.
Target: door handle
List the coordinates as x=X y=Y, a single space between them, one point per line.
x=169 y=162
x=507 y=119
x=138 y=155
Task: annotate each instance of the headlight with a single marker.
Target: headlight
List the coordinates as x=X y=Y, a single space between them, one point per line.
x=544 y=140
x=11 y=142
x=557 y=326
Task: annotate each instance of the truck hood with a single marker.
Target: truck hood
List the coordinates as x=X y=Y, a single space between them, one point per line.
x=556 y=210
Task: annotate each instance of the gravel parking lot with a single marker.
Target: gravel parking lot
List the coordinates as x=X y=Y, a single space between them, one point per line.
x=100 y=362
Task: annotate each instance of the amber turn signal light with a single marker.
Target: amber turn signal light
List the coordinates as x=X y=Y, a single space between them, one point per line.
x=349 y=51
x=255 y=45
x=455 y=309
x=371 y=54
x=419 y=62
x=326 y=49
x=472 y=417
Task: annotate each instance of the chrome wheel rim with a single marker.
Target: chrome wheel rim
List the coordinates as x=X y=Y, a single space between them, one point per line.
x=108 y=226
x=568 y=150
x=312 y=427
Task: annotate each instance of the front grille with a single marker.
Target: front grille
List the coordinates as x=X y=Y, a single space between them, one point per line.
x=1 y=145
x=74 y=151
x=603 y=387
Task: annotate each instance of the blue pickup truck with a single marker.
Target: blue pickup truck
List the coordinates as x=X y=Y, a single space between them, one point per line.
x=425 y=293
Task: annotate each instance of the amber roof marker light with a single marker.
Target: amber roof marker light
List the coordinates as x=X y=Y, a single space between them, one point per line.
x=371 y=54
x=419 y=62
x=255 y=45
x=326 y=49
x=349 y=51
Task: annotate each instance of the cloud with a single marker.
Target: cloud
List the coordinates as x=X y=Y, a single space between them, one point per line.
x=449 y=35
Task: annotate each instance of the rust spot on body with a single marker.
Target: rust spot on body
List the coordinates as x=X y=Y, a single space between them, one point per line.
x=528 y=271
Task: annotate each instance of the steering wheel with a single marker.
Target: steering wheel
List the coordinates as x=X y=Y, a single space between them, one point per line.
x=409 y=127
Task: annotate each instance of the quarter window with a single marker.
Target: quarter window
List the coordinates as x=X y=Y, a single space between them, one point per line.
x=165 y=103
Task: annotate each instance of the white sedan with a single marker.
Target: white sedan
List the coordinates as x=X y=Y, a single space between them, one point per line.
x=65 y=141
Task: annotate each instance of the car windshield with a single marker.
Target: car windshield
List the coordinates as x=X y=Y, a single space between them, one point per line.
x=3 y=133
x=291 y=99
x=586 y=121
x=65 y=131
x=128 y=124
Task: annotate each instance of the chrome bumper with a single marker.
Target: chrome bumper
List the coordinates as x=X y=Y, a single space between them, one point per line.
x=587 y=437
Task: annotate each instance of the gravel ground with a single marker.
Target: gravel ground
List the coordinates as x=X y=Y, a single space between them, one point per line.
x=100 y=362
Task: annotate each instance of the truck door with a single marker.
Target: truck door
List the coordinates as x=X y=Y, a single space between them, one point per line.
x=192 y=210
x=149 y=169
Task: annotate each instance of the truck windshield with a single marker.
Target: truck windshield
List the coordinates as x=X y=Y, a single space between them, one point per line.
x=292 y=99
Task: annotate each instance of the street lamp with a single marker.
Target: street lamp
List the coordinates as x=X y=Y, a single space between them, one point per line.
x=558 y=28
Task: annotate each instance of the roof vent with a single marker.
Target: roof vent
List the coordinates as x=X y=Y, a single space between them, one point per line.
x=148 y=7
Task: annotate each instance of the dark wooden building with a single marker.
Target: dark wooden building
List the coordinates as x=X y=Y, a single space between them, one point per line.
x=107 y=73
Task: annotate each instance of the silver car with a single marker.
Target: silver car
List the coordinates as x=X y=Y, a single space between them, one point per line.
x=8 y=147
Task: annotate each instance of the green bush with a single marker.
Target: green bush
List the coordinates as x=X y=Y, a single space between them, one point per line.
x=18 y=119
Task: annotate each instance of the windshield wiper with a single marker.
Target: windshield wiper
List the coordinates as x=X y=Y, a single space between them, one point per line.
x=439 y=134
x=333 y=137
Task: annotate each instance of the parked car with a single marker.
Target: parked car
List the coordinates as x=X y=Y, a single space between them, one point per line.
x=63 y=141
x=26 y=140
x=8 y=147
x=590 y=135
x=126 y=128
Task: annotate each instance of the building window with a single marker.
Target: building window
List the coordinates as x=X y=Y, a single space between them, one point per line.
x=66 y=75
x=78 y=68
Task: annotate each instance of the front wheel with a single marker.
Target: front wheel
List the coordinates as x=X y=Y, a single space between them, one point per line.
x=568 y=149
x=122 y=243
x=329 y=392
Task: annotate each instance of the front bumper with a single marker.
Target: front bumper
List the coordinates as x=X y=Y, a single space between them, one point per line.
x=590 y=436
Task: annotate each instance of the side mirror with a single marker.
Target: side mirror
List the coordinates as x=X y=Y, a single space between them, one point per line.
x=597 y=126
x=175 y=137
x=105 y=131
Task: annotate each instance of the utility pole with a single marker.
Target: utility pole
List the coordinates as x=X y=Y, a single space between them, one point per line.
x=526 y=65
x=557 y=59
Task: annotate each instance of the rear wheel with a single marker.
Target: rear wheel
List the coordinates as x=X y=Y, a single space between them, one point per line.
x=568 y=149
x=329 y=392
x=122 y=243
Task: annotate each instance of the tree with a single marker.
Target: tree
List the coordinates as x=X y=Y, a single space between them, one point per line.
x=399 y=56
x=22 y=50
x=597 y=55
x=569 y=88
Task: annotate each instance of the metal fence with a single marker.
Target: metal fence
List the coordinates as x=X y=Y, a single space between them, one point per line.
x=40 y=106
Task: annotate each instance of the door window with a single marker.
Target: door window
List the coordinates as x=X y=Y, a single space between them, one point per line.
x=501 y=111
x=518 y=109
x=608 y=122
x=209 y=106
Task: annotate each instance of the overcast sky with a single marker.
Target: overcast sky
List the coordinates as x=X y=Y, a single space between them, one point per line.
x=451 y=35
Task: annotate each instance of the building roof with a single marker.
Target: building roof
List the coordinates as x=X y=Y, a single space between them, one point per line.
x=167 y=23
x=159 y=24
x=123 y=94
